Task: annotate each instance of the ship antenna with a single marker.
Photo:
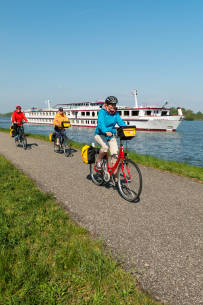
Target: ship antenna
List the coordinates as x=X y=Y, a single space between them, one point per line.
x=134 y=92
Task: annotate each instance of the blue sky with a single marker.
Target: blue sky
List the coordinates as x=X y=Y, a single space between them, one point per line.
x=70 y=51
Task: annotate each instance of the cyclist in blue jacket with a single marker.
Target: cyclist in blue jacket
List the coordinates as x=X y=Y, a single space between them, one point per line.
x=105 y=132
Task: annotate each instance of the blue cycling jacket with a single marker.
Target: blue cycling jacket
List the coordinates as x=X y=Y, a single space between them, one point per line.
x=107 y=122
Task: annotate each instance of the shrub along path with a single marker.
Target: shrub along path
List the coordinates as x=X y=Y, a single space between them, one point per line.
x=158 y=237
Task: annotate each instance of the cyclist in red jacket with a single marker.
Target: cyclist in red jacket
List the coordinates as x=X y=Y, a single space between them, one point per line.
x=17 y=119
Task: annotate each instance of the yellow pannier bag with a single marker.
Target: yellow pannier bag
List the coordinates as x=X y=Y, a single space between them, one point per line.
x=12 y=131
x=84 y=154
x=88 y=154
x=52 y=137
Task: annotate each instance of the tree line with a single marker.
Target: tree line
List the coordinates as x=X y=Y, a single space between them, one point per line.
x=189 y=114
x=6 y=114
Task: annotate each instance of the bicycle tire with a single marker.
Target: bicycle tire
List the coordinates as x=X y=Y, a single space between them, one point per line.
x=24 y=142
x=56 y=147
x=67 y=147
x=97 y=177
x=16 y=142
x=129 y=180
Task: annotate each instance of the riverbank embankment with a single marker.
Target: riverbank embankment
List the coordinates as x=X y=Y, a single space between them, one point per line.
x=159 y=237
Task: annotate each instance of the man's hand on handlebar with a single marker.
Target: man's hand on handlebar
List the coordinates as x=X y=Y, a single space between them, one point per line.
x=109 y=134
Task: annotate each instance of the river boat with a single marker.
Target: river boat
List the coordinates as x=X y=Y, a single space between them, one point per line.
x=85 y=114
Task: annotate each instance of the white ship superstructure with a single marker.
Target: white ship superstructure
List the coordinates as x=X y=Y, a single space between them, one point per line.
x=85 y=114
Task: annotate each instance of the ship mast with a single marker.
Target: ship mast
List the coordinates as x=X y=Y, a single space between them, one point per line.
x=134 y=93
x=48 y=104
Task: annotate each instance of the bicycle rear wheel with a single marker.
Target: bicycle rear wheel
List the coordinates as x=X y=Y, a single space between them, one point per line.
x=97 y=177
x=129 y=180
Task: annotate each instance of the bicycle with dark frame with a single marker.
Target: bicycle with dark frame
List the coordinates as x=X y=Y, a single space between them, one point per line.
x=20 y=137
x=64 y=145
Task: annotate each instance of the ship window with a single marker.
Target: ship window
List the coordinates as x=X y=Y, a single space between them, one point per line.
x=126 y=112
x=82 y=113
x=87 y=113
x=82 y=122
x=163 y=113
x=148 y=112
x=120 y=112
x=93 y=113
x=77 y=121
x=68 y=112
x=128 y=123
x=135 y=113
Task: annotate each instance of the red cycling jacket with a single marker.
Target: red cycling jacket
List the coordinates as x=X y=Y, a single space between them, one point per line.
x=18 y=117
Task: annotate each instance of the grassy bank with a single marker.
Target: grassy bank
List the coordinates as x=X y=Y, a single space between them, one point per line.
x=183 y=169
x=45 y=258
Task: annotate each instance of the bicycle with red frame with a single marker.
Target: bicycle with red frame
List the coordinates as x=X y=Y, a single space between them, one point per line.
x=128 y=173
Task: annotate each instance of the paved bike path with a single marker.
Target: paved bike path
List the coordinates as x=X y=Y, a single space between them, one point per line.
x=158 y=237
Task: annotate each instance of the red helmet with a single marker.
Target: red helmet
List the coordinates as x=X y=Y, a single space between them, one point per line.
x=18 y=107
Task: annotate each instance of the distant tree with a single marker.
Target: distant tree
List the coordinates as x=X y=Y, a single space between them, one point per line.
x=188 y=113
x=6 y=114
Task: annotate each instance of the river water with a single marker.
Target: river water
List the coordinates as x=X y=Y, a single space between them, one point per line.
x=184 y=145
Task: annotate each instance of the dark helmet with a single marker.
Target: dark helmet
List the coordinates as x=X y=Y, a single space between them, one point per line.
x=18 y=107
x=60 y=108
x=111 y=100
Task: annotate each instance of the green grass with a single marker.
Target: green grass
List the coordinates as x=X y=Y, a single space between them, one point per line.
x=183 y=169
x=179 y=168
x=45 y=258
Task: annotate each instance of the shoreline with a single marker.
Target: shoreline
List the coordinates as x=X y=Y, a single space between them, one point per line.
x=182 y=169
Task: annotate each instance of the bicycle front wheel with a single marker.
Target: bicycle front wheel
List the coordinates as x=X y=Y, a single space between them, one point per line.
x=56 y=147
x=24 y=142
x=129 y=180
x=16 y=142
x=67 y=147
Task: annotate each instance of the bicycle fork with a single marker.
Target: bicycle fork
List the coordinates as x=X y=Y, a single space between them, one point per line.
x=123 y=170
